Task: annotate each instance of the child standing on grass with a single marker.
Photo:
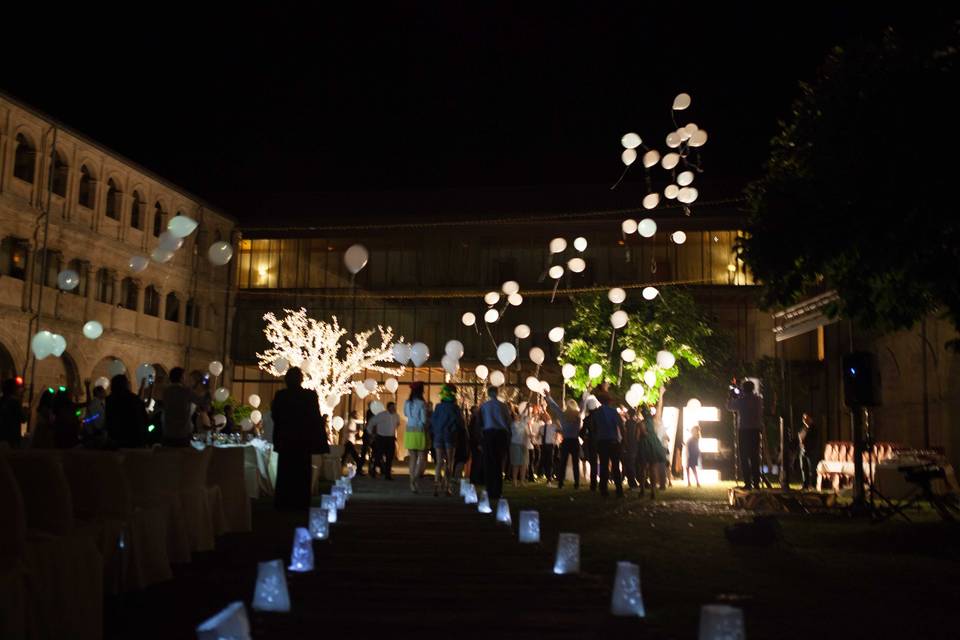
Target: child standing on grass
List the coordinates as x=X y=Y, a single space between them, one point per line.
x=693 y=454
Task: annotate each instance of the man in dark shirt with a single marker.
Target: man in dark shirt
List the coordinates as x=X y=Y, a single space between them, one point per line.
x=749 y=407
x=609 y=435
x=496 y=440
x=806 y=441
x=299 y=431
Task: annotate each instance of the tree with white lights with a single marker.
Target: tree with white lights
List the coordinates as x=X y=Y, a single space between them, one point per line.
x=315 y=346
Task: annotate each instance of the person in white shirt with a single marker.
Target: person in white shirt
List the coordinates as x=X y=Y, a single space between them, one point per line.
x=519 y=446
x=384 y=426
x=535 y=428
x=349 y=439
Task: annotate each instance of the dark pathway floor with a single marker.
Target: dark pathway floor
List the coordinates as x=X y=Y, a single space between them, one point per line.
x=396 y=564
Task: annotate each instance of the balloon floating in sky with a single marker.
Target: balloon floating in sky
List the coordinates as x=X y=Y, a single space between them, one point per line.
x=558 y=245
x=681 y=102
x=220 y=253
x=630 y=141
x=355 y=258
x=580 y=244
x=68 y=279
x=92 y=330
x=468 y=319
x=576 y=265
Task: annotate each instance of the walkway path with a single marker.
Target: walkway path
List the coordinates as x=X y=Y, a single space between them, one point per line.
x=396 y=564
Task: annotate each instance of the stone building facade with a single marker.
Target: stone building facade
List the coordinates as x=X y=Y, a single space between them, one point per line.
x=103 y=209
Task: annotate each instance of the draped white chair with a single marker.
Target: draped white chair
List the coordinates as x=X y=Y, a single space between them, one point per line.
x=155 y=483
x=227 y=469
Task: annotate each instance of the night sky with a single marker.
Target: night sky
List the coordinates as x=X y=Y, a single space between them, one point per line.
x=380 y=107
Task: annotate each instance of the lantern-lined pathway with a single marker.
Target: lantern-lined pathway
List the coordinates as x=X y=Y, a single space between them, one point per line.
x=395 y=564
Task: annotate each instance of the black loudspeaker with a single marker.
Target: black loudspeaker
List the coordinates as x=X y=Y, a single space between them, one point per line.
x=861 y=380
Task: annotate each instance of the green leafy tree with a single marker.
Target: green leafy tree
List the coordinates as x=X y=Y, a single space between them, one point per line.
x=857 y=191
x=673 y=322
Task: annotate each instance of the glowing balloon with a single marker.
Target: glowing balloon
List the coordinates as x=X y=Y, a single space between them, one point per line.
x=670 y=160
x=651 y=158
x=616 y=295
x=92 y=330
x=68 y=279
x=685 y=178
x=337 y=422
x=491 y=316
x=681 y=102
x=630 y=141
x=481 y=371
x=221 y=394
x=533 y=384
x=454 y=348
x=246 y=424
x=506 y=353
x=419 y=353
x=216 y=367
x=492 y=297
x=392 y=385
x=634 y=397
x=699 y=138
x=679 y=237
x=42 y=344
x=650 y=377
x=220 y=253
x=690 y=128
x=401 y=352
x=59 y=345
x=651 y=200
x=647 y=228
x=619 y=319
x=537 y=355
x=649 y=293
x=116 y=368
x=594 y=371
x=103 y=382
x=629 y=226
x=254 y=400
x=576 y=265
x=161 y=255
x=673 y=140
x=687 y=195
x=137 y=264
x=556 y=272
x=510 y=287
x=256 y=417
x=568 y=371
x=219 y=420
x=522 y=331
x=450 y=364
x=361 y=392
x=169 y=242
x=376 y=407
x=628 y=355
x=683 y=133
x=515 y=299
x=181 y=226
x=544 y=387
x=558 y=245
x=370 y=385
x=556 y=334
x=497 y=378
x=580 y=244
x=693 y=404
x=468 y=319
x=355 y=258
x=671 y=191
x=665 y=359
x=629 y=156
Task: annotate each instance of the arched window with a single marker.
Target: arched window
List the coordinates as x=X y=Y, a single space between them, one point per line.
x=60 y=172
x=136 y=211
x=24 y=159
x=173 y=307
x=157 y=220
x=104 y=285
x=113 y=200
x=128 y=294
x=151 y=301
x=87 y=193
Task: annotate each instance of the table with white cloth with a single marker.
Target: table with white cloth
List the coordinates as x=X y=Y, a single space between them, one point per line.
x=893 y=484
x=259 y=465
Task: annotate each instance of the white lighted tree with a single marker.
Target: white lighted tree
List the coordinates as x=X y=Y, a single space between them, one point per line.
x=315 y=347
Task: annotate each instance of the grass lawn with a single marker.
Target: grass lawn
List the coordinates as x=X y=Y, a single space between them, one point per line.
x=832 y=576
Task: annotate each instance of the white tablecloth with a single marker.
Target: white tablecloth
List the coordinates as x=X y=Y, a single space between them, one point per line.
x=259 y=466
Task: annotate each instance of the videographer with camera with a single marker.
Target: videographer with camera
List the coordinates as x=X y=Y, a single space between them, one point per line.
x=749 y=408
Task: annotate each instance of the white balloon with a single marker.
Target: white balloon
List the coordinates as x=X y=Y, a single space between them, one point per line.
x=506 y=353
x=181 y=226
x=454 y=348
x=649 y=293
x=355 y=258
x=544 y=387
x=332 y=400
x=647 y=228
x=169 y=242
x=684 y=134
x=137 y=264
x=629 y=156
x=491 y=316
x=221 y=394
x=556 y=334
x=651 y=158
x=533 y=384
x=219 y=420
x=619 y=319
x=392 y=385
x=681 y=102
x=687 y=195
x=68 y=279
x=337 y=422
x=497 y=378
x=568 y=371
x=481 y=371
x=637 y=386
x=558 y=245
x=690 y=128
x=419 y=353
x=629 y=226
x=246 y=424
x=161 y=255
x=515 y=299
x=694 y=404
x=92 y=330
x=670 y=160
x=651 y=200
x=450 y=364
x=594 y=371
x=216 y=367
x=576 y=265
x=698 y=138
x=254 y=400
x=580 y=244
x=685 y=178
x=633 y=398
x=468 y=319
x=510 y=287
x=679 y=237
x=650 y=377
x=522 y=331
x=671 y=191
x=616 y=295
x=220 y=253
x=376 y=407
x=628 y=355
x=492 y=297
x=370 y=385
x=401 y=352
x=116 y=368
x=146 y=370
x=537 y=355
x=59 y=345
x=102 y=382
x=665 y=359
x=42 y=344
x=280 y=365
x=556 y=272
x=630 y=141
x=361 y=391
x=673 y=140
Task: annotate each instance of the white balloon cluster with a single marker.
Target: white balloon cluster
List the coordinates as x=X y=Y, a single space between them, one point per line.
x=417 y=353
x=45 y=343
x=452 y=352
